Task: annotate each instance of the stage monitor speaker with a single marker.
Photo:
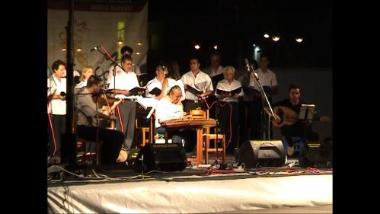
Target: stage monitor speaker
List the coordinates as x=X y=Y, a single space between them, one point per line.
x=262 y=153
x=163 y=157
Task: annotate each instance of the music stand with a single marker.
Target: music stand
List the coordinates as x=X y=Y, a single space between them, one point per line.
x=306 y=112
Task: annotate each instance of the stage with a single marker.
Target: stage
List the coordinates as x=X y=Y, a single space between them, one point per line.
x=196 y=190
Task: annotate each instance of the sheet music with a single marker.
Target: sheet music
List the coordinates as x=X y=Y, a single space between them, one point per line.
x=146 y=102
x=201 y=86
x=306 y=112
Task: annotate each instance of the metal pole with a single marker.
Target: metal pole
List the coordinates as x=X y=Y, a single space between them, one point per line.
x=69 y=140
x=70 y=71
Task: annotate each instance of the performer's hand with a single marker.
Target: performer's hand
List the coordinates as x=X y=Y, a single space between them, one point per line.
x=203 y=96
x=61 y=97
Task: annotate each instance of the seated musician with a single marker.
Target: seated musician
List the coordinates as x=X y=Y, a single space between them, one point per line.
x=169 y=108
x=88 y=121
x=228 y=92
x=299 y=128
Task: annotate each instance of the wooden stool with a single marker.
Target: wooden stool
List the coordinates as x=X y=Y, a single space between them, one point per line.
x=144 y=132
x=208 y=138
x=87 y=155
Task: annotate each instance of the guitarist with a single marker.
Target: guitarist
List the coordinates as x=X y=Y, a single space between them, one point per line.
x=296 y=128
x=88 y=115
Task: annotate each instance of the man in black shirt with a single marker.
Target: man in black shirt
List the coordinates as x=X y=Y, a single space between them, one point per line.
x=88 y=122
x=297 y=128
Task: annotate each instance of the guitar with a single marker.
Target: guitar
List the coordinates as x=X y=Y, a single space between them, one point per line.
x=286 y=116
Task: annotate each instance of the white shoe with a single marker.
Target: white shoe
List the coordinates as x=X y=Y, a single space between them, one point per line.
x=123 y=156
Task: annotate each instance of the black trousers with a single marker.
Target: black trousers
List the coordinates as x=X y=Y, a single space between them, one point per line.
x=190 y=135
x=229 y=122
x=260 y=119
x=299 y=130
x=58 y=123
x=127 y=111
x=111 y=141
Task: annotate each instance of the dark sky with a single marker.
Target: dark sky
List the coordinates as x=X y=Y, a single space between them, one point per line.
x=175 y=26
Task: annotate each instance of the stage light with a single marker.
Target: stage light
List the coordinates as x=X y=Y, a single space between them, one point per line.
x=299 y=39
x=215 y=47
x=254 y=45
x=197 y=47
x=79 y=49
x=120 y=42
x=139 y=44
x=266 y=36
x=63 y=49
x=276 y=38
x=137 y=53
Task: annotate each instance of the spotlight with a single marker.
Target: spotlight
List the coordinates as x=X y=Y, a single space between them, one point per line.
x=120 y=42
x=266 y=36
x=299 y=39
x=139 y=44
x=276 y=38
x=197 y=47
x=137 y=53
x=79 y=49
x=215 y=47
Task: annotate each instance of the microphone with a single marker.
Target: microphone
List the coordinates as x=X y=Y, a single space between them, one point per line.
x=247 y=64
x=250 y=69
x=94 y=48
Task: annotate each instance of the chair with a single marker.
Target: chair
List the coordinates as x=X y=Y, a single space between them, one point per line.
x=144 y=133
x=84 y=152
x=212 y=139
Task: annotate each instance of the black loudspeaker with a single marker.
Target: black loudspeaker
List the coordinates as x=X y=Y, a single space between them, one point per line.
x=316 y=155
x=163 y=157
x=262 y=153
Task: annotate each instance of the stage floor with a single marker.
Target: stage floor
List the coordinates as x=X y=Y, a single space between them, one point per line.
x=265 y=190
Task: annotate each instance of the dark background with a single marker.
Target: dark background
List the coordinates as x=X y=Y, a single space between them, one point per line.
x=235 y=25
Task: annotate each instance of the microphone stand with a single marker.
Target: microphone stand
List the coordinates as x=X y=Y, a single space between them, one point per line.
x=266 y=98
x=109 y=57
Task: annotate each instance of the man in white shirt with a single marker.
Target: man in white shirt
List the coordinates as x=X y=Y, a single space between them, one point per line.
x=228 y=92
x=121 y=84
x=268 y=80
x=125 y=50
x=56 y=84
x=87 y=71
x=163 y=82
x=215 y=68
x=156 y=83
x=196 y=81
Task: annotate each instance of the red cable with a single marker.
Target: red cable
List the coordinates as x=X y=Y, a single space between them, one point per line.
x=120 y=119
x=52 y=133
x=222 y=105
